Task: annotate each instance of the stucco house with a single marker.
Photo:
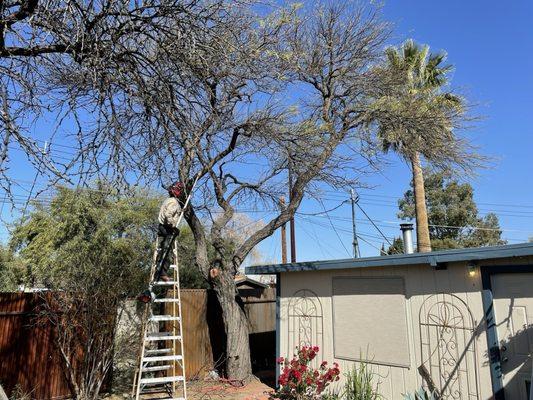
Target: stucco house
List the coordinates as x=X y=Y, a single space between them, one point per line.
x=461 y=318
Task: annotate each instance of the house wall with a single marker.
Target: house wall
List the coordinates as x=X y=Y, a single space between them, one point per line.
x=424 y=286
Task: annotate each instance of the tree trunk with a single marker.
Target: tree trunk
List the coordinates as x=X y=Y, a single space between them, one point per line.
x=422 y=226
x=238 y=364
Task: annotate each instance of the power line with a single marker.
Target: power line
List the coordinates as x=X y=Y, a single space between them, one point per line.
x=370 y=244
x=318 y=241
x=343 y=230
x=347 y=231
x=375 y=226
x=390 y=224
x=482 y=211
x=21 y=200
x=363 y=194
x=322 y=213
x=333 y=226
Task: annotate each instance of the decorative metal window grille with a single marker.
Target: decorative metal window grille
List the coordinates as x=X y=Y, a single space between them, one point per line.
x=448 y=346
x=304 y=321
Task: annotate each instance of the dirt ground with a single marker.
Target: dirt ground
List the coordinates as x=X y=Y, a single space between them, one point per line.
x=211 y=390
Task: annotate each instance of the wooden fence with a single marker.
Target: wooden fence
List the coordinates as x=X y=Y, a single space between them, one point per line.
x=28 y=358
x=203 y=329
x=200 y=345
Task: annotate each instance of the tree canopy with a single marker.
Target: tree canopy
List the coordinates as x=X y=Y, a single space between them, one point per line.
x=85 y=235
x=454 y=220
x=91 y=250
x=12 y=271
x=420 y=113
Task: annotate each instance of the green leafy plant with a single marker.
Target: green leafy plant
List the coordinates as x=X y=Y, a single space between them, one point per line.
x=420 y=394
x=360 y=384
x=332 y=395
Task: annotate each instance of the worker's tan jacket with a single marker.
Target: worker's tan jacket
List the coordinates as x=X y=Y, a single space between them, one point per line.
x=170 y=211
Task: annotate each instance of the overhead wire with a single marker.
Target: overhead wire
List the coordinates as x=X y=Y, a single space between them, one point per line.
x=378 y=195
x=367 y=242
x=21 y=199
x=334 y=229
x=375 y=226
x=369 y=199
x=316 y=240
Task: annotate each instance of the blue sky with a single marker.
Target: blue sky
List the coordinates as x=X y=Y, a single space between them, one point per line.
x=491 y=45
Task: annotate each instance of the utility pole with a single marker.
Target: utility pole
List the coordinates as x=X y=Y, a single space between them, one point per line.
x=293 y=233
x=283 y=234
x=354 y=199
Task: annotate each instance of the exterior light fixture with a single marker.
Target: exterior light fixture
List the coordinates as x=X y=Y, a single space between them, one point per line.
x=472 y=269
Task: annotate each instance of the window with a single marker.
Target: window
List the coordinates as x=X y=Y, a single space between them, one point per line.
x=370 y=320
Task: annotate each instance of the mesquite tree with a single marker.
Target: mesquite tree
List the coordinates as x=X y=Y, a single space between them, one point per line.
x=205 y=92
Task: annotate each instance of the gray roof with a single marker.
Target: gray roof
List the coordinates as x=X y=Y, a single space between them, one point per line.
x=434 y=258
x=240 y=279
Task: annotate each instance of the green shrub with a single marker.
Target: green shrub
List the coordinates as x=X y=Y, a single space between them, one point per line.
x=360 y=384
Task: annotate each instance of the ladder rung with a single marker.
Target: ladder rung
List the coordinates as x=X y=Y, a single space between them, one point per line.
x=162 y=358
x=173 y=266
x=151 y=390
x=156 y=368
x=167 y=300
x=162 y=336
x=157 y=351
x=159 y=318
x=164 y=283
x=164 y=379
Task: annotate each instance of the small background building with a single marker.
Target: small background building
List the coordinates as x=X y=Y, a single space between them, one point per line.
x=464 y=316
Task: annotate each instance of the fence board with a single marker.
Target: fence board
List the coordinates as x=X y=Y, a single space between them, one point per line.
x=197 y=345
x=27 y=354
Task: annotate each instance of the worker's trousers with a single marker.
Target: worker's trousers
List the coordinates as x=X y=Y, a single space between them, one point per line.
x=165 y=235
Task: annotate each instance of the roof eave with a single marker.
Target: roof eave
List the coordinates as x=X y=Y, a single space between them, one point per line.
x=433 y=258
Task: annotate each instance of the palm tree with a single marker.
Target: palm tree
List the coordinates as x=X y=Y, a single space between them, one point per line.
x=417 y=118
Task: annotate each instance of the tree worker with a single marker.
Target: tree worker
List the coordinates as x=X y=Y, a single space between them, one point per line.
x=167 y=231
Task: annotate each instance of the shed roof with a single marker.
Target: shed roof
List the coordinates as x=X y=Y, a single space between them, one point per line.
x=242 y=279
x=434 y=258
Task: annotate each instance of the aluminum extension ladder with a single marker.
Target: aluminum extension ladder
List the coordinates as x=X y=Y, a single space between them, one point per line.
x=161 y=370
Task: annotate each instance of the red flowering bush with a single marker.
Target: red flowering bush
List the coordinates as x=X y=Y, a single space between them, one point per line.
x=299 y=381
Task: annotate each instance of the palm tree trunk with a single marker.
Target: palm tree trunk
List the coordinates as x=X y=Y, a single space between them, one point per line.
x=422 y=226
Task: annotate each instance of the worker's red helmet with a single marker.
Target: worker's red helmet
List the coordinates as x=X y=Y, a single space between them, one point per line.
x=176 y=189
